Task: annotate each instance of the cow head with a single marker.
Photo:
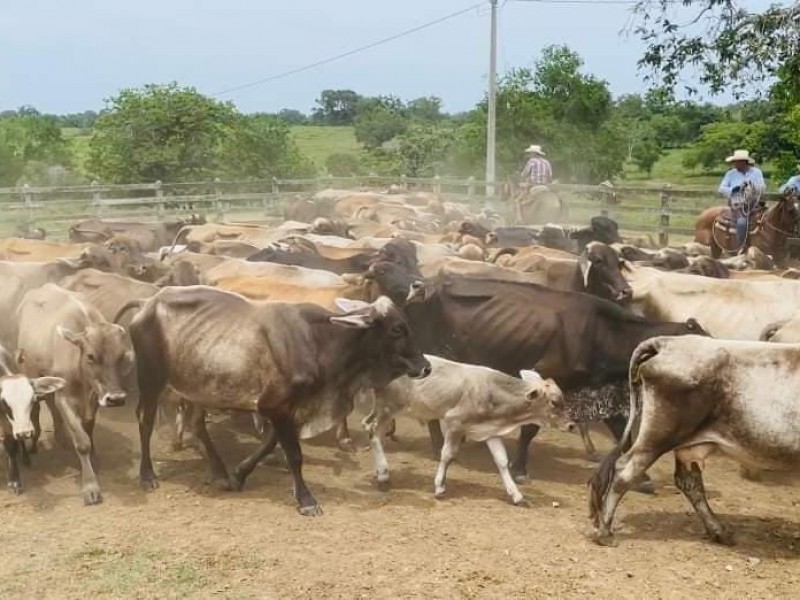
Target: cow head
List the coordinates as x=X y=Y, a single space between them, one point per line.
x=395 y=281
x=388 y=341
x=17 y=395
x=105 y=360
x=601 y=273
x=545 y=401
x=126 y=256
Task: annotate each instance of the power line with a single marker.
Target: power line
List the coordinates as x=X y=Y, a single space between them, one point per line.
x=325 y=61
x=628 y=2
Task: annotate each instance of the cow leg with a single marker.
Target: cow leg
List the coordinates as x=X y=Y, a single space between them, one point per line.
x=498 y=450
x=244 y=468
x=616 y=425
x=689 y=480
x=519 y=468
x=219 y=472
x=58 y=422
x=146 y=415
x=287 y=436
x=452 y=444
x=11 y=446
x=83 y=447
x=36 y=411
x=630 y=469
x=377 y=431
x=588 y=444
x=343 y=437
x=437 y=440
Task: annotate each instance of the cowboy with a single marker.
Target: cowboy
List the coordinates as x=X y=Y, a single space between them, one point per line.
x=732 y=187
x=537 y=170
x=792 y=186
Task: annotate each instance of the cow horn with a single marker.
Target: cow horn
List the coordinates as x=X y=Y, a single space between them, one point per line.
x=585 y=265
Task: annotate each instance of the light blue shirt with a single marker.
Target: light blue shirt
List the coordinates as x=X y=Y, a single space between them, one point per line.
x=735 y=178
x=792 y=185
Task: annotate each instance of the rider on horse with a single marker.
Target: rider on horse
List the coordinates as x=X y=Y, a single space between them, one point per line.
x=743 y=175
x=537 y=170
x=792 y=186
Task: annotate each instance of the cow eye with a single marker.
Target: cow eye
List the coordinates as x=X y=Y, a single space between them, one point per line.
x=397 y=330
x=90 y=358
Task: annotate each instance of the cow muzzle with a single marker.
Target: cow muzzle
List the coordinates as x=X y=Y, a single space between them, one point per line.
x=420 y=373
x=416 y=292
x=625 y=295
x=114 y=399
x=22 y=432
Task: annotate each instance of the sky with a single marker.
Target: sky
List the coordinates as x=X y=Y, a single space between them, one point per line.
x=68 y=56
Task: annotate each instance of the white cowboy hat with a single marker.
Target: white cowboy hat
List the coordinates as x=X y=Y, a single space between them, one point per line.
x=740 y=155
x=534 y=149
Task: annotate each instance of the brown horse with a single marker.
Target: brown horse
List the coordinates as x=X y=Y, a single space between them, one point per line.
x=537 y=205
x=767 y=231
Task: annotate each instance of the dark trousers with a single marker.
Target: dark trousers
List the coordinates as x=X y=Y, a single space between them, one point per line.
x=741 y=229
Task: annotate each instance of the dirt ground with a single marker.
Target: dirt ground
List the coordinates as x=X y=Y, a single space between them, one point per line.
x=188 y=540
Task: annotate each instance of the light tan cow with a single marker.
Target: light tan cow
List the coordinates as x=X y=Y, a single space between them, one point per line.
x=23 y=250
x=279 y=273
x=61 y=335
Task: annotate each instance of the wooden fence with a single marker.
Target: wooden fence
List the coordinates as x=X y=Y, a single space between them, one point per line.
x=659 y=210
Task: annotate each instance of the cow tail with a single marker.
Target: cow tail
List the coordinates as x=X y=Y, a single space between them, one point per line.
x=128 y=306
x=503 y=252
x=602 y=479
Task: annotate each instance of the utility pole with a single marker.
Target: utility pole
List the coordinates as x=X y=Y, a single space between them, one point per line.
x=491 y=124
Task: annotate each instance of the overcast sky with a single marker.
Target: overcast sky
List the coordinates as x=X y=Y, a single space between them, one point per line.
x=68 y=55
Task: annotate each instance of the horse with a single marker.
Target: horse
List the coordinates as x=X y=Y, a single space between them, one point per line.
x=536 y=205
x=767 y=230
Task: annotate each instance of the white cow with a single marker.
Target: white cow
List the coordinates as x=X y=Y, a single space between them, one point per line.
x=726 y=308
x=471 y=402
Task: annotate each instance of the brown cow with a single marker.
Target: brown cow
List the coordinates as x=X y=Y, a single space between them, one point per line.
x=297 y=365
x=60 y=334
x=149 y=236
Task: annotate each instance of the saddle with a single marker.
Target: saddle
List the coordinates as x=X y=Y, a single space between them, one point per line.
x=530 y=195
x=726 y=222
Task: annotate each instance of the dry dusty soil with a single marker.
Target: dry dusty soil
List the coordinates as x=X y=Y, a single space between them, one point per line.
x=188 y=540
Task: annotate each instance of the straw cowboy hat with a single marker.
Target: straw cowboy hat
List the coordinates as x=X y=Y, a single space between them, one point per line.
x=740 y=155
x=534 y=149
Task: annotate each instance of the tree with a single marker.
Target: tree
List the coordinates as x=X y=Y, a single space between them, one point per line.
x=553 y=104
x=423 y=149
x=728 y=46
x=427 y=109
x=292 y=116
x=159 y=132
x=378 y=124
x=336 y=107
x=260 y=146
x=32 y=136
x=342 y=164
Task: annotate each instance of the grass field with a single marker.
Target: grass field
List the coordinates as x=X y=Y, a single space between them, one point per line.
x=318 y=143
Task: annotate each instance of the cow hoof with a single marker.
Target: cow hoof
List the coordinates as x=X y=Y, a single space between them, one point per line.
x=520 y=501
x=520 y=477
x=646 y=487
x=148 y=484
x=439 y=493
x=723 y=537
x=92 y=497
x=604 y=539
x=595 y=457
x=15 y=487
x=310 y=511
x=347 y=445
x=385 y=485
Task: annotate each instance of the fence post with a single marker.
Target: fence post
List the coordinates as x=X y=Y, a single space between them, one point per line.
x=218 y=204
x=437 y=184
x=27 y=198
x=97 y=200
x=471 y=186
x=404 y=182
x=663 y=232
x=159 y=200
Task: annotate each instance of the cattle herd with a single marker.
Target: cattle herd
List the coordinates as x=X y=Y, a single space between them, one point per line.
x=390 y=303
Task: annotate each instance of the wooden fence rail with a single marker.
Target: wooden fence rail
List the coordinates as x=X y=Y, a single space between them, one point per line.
x=663 y=210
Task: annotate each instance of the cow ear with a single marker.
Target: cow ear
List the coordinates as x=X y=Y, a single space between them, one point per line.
x=47 y=385
x=530 y=376
x=70 y=336
x=362 y=321
x=585 y=265
x=346 y=305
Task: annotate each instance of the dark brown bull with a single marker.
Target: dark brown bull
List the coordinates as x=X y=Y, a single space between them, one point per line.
x=296 y=365
x=575 y=339
x=354 y=264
